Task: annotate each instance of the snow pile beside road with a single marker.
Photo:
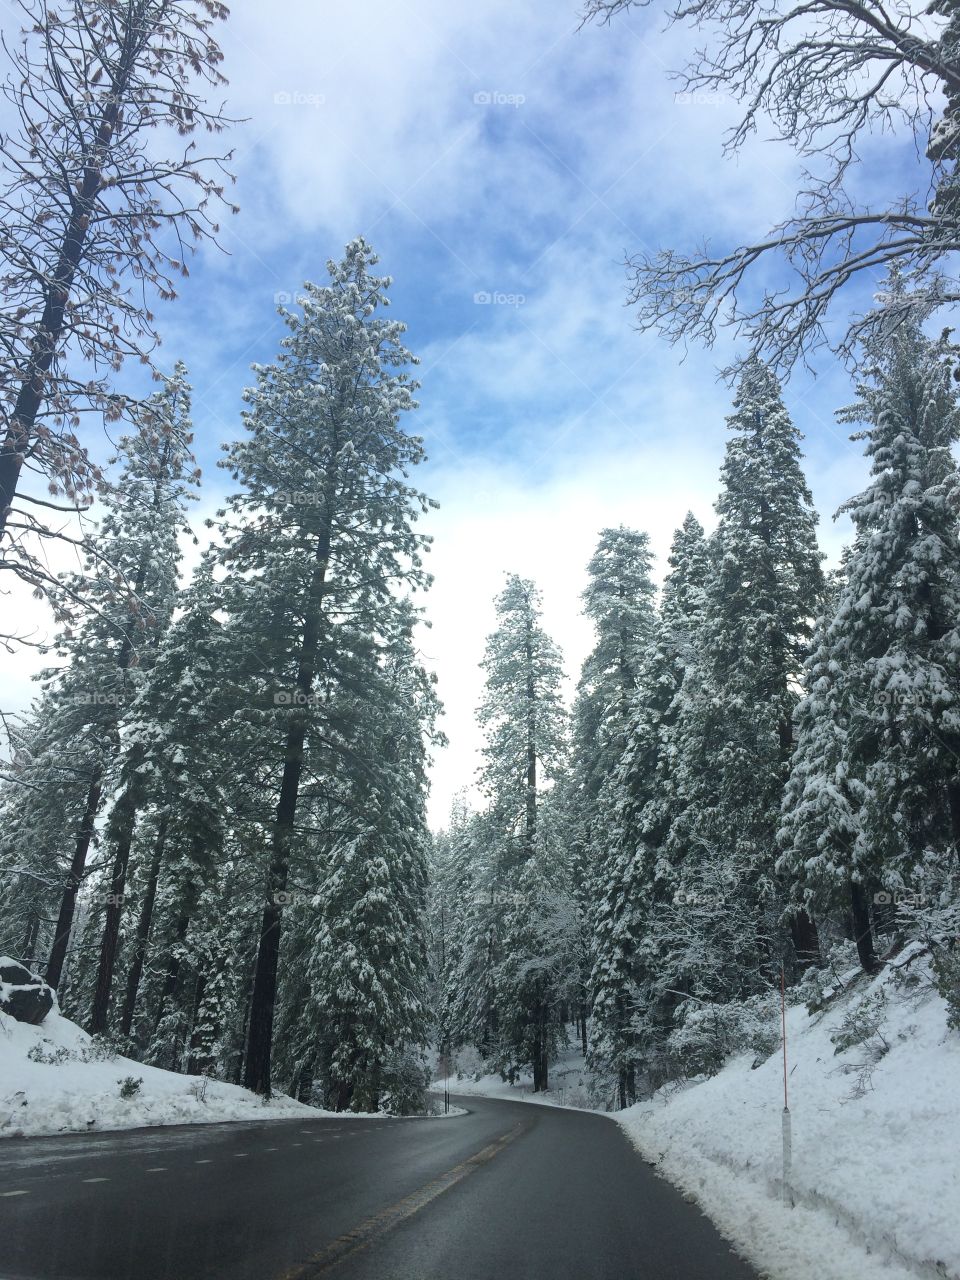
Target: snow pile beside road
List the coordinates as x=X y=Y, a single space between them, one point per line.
x=876 y=1138
x=55 y=1078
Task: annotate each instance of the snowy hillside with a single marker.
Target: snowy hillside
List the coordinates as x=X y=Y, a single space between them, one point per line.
x=54 y=1078
x=875 y=1129
x=875 y=1177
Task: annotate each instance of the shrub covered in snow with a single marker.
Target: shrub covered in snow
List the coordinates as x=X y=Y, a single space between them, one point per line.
x=707 y=1034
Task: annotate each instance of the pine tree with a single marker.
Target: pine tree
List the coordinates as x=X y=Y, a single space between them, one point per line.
x=319 y=539
x=521 y=713
x=368 y=964
x=525 y=746
x=875 y=787
x=764 y=590
x=128 y=590
x=627 y=974
x=619 y=600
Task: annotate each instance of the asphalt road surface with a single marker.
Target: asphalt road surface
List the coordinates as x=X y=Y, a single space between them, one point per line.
x=512 y=1191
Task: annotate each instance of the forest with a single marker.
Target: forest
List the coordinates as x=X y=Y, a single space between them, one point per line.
x=214 y=841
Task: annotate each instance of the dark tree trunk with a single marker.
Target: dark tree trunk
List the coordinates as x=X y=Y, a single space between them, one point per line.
x=111 y=925
x=248 y=1001
x=344 y=1094
x=305 y=1084
x=622 y=1089
x=806 y=940
x=256 y=1074
x=143 y=931
x=171 y=978
x=68 y=902
x=862 y=932
x=27 y=956
x=953 y=802
x=197 y=1062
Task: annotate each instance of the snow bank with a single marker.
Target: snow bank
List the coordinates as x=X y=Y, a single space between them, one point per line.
x=876 y=1140
x=52 y=1080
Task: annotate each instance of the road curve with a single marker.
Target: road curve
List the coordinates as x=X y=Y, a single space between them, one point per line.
x=511 y=1190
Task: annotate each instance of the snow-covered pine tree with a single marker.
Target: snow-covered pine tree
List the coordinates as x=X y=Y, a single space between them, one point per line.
x=619 y=601
x=521 y=713
x=319 y=539
x=525 y=746
x=541 y=962
x=127 y=591
x=630 y=1007
x=183 y=741
x=368 y=965
x=468 y=1010
x=874 y=792
x=764 y=590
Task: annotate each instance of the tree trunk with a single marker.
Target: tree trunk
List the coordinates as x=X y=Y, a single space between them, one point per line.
x=256 y=1075
x=197 y=1062
x=953 y=801
x=806 y=940
x=68 y=903
x=583 y=1029
x=143 y=931
x=630 y=1079
x=305 y=1085
x=33 y=388
x=111 y=924
x=30 y=941
x=863 y=934
x=171 y=978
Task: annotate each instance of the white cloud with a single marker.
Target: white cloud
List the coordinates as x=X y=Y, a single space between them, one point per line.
x=545 y=421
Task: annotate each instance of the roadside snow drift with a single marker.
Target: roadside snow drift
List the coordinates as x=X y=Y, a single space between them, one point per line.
x=55 y=1078
x=875 y=1128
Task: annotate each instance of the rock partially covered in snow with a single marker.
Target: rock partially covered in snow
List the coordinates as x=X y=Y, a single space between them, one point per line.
x=23 y=995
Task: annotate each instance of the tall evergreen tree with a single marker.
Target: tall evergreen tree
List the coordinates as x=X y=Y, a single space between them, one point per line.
x=875 y=786
x=627 y=974
x=319 y=540
x=128 y=589
x=525 y=724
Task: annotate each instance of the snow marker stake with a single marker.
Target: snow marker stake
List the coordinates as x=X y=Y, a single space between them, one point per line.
x=786 y=1193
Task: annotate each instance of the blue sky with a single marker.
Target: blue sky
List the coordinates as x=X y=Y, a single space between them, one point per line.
x=496 y=151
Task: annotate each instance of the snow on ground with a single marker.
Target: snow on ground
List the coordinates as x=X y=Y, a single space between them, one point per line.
x=569 y=1080
x=876 y=1157
x=53 y=1081
x=875 y=1138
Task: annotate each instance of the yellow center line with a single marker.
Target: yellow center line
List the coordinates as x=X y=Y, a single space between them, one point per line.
x=372 y=1228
